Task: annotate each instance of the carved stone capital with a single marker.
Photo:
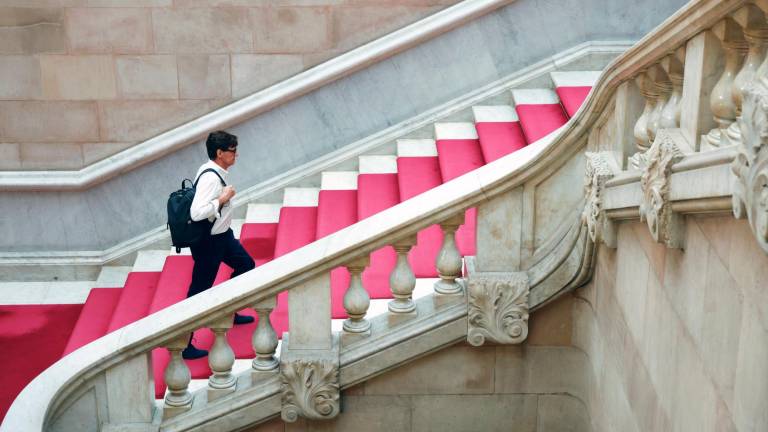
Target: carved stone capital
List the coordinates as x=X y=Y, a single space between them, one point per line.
x=497 y=308
x=655 y=208
x=310 y=383
x=750 y=167
x=597 y=172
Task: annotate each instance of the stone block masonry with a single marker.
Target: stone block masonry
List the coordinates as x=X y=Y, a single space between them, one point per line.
x=81 y=81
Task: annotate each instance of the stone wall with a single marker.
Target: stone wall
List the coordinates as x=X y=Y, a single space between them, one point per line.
x=678 y=339
x=81 y=80
x=538 y=386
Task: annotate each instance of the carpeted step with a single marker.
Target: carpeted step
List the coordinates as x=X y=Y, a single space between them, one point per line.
x=498 y=129
x=573 y=87
x=378 y=190
x=259 y=231
x=94 y=318
x=135 y=299
x=337 y=209
x=459 y=152
x=540 y=112
x=418 y=171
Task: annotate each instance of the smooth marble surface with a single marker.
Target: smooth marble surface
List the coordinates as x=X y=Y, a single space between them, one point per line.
x=494 y=113
x=416 y=147
x=338 y=180
x=458 y=130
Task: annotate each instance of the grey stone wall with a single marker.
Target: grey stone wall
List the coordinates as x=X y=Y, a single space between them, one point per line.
x=678 y=339
x=336 y=115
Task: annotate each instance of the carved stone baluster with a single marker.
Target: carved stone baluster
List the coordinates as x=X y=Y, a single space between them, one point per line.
x=721 y=100
x=661 y=87
x=356 y=299
x=756 y=35
x=642 y=140
x=449 y=259
x=402 y=280
x=221 y=359
x=670 y=115
x=264 y=339
x=177 y=377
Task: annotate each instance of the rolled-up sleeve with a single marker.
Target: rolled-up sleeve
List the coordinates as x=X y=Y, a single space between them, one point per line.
x=206 y=202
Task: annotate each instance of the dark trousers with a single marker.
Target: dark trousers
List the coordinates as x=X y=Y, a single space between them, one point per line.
x=210 y=253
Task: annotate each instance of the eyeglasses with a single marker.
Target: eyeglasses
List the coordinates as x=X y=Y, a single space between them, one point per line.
x=232 y=150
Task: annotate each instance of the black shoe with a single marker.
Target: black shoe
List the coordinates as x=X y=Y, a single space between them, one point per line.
x=191 y=353
x=243 y=319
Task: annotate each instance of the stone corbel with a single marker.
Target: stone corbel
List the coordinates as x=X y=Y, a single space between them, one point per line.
x=497 y=308
x=310 y=383
x=598 y=171
x=666 y=226
x=750 y=167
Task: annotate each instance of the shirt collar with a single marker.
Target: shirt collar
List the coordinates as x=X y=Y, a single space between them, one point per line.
x=216 y=166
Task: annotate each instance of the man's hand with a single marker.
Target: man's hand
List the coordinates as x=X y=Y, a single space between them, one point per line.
x=226 y=195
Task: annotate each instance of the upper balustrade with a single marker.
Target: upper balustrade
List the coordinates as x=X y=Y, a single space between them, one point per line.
x=666 y=107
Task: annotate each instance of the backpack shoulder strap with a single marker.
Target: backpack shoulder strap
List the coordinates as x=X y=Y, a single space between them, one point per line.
x=223 y=183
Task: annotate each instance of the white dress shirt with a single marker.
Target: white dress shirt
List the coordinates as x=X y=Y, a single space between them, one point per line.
x=206 y=202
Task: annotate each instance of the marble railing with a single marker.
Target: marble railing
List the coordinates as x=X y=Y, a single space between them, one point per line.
x=647 y=125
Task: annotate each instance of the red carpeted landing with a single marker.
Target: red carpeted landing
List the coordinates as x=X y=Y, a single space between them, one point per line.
x=34 y=337
x=572 y=97
x=538 y=121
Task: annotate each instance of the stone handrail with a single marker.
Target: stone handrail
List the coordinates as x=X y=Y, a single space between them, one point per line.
x=262 y=101
x=302 y=271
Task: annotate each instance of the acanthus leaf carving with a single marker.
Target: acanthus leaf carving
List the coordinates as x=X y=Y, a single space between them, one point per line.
x=655 y=206
x=310 y=389
x=750 y=167
x=597 y=172
x=498 y=308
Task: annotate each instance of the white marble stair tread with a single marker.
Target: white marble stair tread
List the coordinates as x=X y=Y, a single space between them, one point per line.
x=456 y=130
x=535 y=97
x=52 y=292
x=300 y=197
x=378 y=164
x=416 y=148
x=263 y=213
x=150 y=260
x=575 y=78
x=338 y=180
x=494 y=114
x=112 y=277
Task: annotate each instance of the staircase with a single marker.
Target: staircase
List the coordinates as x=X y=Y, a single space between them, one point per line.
x=160 y=278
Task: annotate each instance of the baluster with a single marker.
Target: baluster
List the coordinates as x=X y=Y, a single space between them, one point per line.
x=177 y=377
x=721 y=100
x=756 y=36
x=449 y=259
x=402 y=280
x=670 y=115
x=641 y=126
x=661 y=87
x=264 y=339
x=356 y=299
x=220 y=359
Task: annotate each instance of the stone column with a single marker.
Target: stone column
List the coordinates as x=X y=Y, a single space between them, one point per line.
x=264 y=339
x=703 y=66
x=221 y=359
x=402 y=280
x=721 y=100
x=177 y=378
x=356 y=299
x=449 y=259
x=673 y=65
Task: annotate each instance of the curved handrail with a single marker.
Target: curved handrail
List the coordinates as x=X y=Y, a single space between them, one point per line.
x=248 y=107
x=30 y=410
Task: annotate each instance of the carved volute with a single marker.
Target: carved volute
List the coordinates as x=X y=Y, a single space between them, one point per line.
x=597 y=172
x=498 y=308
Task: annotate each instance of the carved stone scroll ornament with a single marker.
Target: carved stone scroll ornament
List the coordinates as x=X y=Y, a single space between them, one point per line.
x=498 y=308
x=597 y=172
x=310 y=389
x=750 y=192
x=664 y=224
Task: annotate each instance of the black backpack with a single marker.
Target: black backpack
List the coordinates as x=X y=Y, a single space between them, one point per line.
x=184 y=231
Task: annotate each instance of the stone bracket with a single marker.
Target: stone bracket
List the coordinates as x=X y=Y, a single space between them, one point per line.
x=309 y=382
x=497 y=308
x=598 y=171
x=666 y=226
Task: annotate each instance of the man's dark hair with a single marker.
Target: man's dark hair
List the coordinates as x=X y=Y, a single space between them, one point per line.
x=219 y=140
